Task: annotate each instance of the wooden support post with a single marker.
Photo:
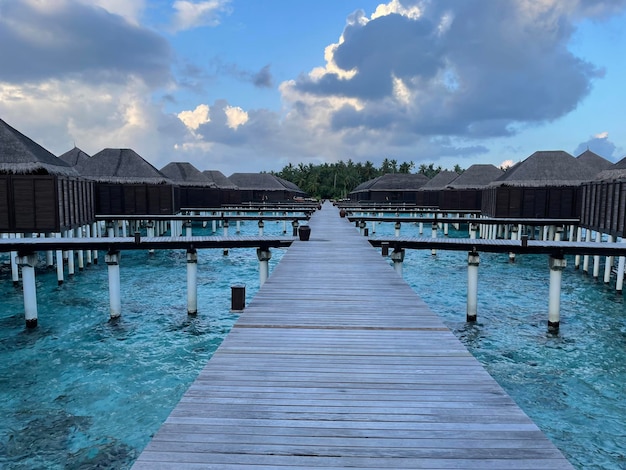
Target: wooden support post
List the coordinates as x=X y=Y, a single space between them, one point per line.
x=557 y=264
x=473 y=260
x=397 y=256
x=28 y=262
x=264 y=255
x=192 y=282
x=112 y=259
x=384 y=248
x=237 y=297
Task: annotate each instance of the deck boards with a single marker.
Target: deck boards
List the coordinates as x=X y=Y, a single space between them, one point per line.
x=337 y=363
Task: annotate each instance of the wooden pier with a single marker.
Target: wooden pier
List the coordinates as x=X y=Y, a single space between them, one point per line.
x=337 y=363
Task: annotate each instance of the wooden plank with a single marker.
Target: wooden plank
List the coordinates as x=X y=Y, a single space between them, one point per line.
x=337 y=363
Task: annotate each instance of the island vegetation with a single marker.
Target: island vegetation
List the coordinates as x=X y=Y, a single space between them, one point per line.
x=336 y=180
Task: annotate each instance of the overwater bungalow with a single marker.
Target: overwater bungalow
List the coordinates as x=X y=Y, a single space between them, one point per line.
x=547 y=184
x=126 y=184
x=594 y=160
x=229 y=192
x=195 y=189
x=429 y=195
x=39 y=192
x=604 y=201
x=265 y=187
x=465 y=191
x=391 y=187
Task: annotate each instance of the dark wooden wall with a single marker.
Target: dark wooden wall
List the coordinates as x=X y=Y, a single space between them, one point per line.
x=604 y=207
x=44 y=203
x=136 y=199
x=532 y=202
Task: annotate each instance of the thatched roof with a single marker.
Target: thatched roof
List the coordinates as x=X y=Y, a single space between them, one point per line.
x=120 y=166
x=393 y=182
x=74 y=157
x=476 y=177
x=185 y=174
x=614 y=173
x=594 y=161
x=261 y=182
x=440 y=180
x=547 y=168
x=220 y=180
x=21 y=155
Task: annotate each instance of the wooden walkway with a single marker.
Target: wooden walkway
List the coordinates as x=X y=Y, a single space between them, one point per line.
x=337 y=363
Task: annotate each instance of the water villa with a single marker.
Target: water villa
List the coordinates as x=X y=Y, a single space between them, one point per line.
x=389 y=188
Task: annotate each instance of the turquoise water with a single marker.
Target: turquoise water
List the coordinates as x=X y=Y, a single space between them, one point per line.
x=81 y=391
x=573 y=385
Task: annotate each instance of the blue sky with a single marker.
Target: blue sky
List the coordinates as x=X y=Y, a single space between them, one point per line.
x=246 y=86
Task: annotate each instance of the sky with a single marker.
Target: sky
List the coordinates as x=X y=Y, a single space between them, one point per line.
x=250 y=85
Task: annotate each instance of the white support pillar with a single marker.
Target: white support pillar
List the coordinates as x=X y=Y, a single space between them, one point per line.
x=619 y=284
x=112 y=259
x=28 y=263
x=397 y=256
x=88 y=252
x=150 y=233
x=558 y=233
x=49 y=254
x=59 y=259
x=554 y=305
x=80 y=253
x=586 y=257
x=192 y=282
x=473 y=260
x=238 y=229
x=596 y=258
x=579 y=237
x=264 y=255
x=514 y=236
x=15 y=272
x=373 y=227
x=110 y=226
x=213 y=226
x=396 y=227
x=124 y=230
x=188 y=229
x=421 y=228
x=225 y=233
x=261 y=227
x=433 y=234
x=472 y=230
x=70 y=255
x=608 y=263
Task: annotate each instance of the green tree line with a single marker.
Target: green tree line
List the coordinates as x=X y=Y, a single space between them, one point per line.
x=336 y=180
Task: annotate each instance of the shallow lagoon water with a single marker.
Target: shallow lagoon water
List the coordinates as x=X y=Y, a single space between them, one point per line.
x=81 y=391
x=571 y=384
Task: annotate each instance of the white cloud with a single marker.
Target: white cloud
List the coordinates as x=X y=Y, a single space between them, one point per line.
x=193 y=119
x=131 y=10
x=235 y=116
x=601 y=135
x=191 y=14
